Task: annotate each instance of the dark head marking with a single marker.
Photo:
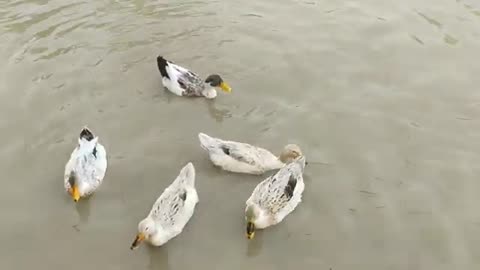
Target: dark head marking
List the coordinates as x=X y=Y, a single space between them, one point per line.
x=214 y=80
x=162 y=64
x=86 y=134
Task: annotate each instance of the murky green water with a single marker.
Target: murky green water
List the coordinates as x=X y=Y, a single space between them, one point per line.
x=385 y=92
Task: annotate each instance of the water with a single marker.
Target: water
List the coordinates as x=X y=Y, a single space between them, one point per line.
x=383 y=92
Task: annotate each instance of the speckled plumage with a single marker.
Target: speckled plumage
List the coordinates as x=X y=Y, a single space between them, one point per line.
x=278 y=195
x=183 y=82
x=172 y=210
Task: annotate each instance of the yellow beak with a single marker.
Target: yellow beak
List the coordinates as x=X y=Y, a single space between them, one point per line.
x=225 y=87
x=138 y=240
x=75 y=193
x=250 y=235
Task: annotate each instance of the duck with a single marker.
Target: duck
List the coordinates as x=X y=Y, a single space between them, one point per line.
x=170 y=212
x=275 y=197
x=245 y=158
x=86 y=168
x=183 y=82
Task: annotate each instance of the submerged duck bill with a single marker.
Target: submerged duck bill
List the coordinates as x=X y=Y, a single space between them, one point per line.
x=138 y=240
x=250 y=230
x=225 y=87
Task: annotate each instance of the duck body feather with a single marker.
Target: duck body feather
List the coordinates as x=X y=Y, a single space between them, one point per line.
x=174 y=207
x=181 y=81
x=239 y=157
x=278 y=195
x=87 y=164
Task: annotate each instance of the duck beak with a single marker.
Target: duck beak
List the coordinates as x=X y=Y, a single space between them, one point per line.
x=225 y=87
x=75 y=193
x=138 y=240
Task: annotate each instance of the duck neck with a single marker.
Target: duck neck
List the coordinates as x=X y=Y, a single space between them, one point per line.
x=209 y=92
x=250 y=214
x=158 y=238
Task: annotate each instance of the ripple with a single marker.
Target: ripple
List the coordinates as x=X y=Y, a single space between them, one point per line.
x=38 y=50
x=42 y=77
x=59 y=51
x=223 y=41
x=33 y=19
x=74 y=27
x=252 y=15
x=450 y=40
x=127 y=66
x=18 y=3
x=417 y=39
x=430 y=20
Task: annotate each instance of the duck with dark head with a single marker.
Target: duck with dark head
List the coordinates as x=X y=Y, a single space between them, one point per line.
x=183 y=82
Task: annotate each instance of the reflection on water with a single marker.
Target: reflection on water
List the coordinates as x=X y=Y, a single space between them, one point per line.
x=158 y=258
x=83 y=210
x=218 y=114
x=255 y=245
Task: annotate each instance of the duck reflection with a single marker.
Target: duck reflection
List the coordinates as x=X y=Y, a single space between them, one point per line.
x=218 y=114
x=254 y=246
x=83 y=210
x=158 y=258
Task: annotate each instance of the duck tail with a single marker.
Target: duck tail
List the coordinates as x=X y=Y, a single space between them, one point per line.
x=206 y=141
x=86 y=134
x=187 y=175
x=162 y=64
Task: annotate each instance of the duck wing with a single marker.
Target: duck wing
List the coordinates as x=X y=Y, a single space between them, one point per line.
x=241 y=152
x=274 y=193
x=186 y=79
x=169 y=206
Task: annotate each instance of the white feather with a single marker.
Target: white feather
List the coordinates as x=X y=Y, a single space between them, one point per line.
x=175 y=72
x=89 y=169
x=172 y=83
x=242 y=157
x=170 y=213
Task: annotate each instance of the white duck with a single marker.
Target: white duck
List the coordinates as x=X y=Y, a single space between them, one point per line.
x=245 y=158
x=85 y=170
x=183 y=82
x=171 y=212
x=275 y=197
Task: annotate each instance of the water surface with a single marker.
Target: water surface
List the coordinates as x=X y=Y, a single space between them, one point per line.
x=384 y=92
